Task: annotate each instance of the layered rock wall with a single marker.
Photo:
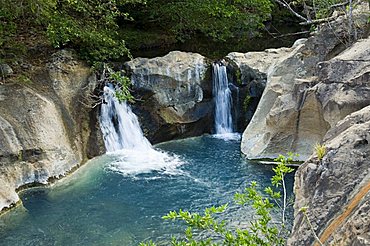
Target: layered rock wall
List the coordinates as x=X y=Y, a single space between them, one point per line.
x=336 y=189
x=45 y=126
x=309 y=88
x=318 y=92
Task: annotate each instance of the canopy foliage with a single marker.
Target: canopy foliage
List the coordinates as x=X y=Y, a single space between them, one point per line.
x=217 y=19
x=96 y=27
x=91 y=26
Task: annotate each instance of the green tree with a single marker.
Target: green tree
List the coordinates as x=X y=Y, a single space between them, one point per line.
x=98 y=40
x=89 y=26
x=117 y=78
x=218 y=19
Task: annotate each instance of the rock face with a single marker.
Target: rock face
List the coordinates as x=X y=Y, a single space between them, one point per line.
x=336 y=189
x=176 y=93
x=309 y=89
x=45 y=130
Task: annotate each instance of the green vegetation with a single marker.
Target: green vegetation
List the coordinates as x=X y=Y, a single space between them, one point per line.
x=97 y=28
x=238 y=75
x=124 y=83
x=262 y=231
x=320 y=150
x=118 y=78
x=247 y=101
x=24 y=79
x=90 y=26
x=303 y=210
x=218 y=19
x=97 y=40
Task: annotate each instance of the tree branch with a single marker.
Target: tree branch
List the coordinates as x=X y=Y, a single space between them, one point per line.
x=339 y=5
x=289 y=34
x=307 y=20
x=318 y=21
x=286 y=5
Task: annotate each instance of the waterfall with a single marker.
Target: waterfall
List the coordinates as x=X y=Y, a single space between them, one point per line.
x=223 y=100
x=124 y=139
x=119 y=125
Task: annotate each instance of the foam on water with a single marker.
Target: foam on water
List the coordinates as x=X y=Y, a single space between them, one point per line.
x=228 y=136
x=131 y=162
x=125 y=140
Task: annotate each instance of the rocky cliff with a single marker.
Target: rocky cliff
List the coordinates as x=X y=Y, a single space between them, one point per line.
x=175 y=98
x=309 y=88
x=336 y=188
x=318 y=91
x=46 y=128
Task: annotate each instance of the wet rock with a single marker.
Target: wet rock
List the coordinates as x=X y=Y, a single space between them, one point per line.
x=247 y=86
x=176 y=95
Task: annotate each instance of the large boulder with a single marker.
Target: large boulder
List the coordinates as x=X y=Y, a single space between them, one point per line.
x=302 y=99
x=336 y=188
x=45 y=129
x=175 y=93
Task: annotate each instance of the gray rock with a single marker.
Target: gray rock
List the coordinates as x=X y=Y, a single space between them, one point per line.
x=45 y=129
x=5 y=70
x=335 y=189
x=309 y=88
x=176 y=95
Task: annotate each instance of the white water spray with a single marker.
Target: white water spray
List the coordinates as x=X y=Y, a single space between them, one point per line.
x=120 y=126
x=123 y=137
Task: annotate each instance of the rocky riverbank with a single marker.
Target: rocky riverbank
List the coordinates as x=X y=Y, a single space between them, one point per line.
x=46 y=127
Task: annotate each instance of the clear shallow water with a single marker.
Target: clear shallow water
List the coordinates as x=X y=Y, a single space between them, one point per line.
x=101 y=204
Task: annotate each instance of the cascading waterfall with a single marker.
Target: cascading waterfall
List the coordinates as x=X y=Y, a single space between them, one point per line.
x=124 y=138
x=223 y=100
x=120 y=126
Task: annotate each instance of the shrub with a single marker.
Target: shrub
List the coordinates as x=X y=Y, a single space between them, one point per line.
x=320 y=150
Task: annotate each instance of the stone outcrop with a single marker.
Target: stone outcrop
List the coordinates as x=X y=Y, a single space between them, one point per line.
x=176 y=95
x=45 y=129
x=336 y=189
x=309 y=89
